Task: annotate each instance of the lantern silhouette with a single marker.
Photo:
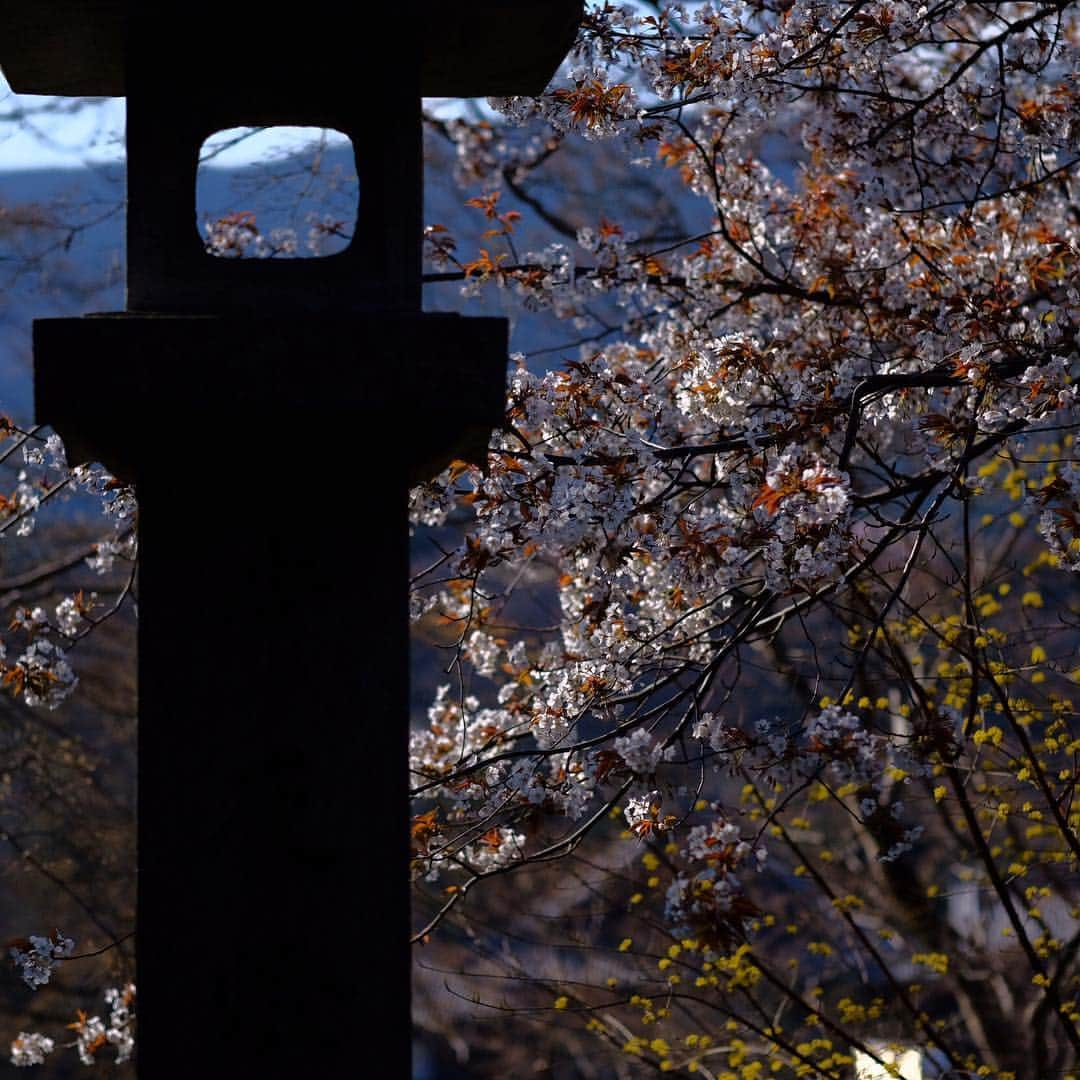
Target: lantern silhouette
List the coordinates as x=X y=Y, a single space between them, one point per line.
x=271 y=414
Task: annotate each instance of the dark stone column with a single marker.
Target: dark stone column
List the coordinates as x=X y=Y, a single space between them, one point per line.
x=273 y=661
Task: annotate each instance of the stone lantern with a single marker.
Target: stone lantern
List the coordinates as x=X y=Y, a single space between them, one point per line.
x=272 y=414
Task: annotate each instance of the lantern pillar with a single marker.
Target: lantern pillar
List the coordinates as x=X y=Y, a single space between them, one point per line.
x=272 y=415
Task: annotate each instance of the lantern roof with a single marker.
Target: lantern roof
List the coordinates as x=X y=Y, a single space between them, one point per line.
x=475 y=49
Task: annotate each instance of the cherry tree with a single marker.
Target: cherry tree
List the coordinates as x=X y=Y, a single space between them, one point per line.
x=759 y=624
x=65 y=822
x=68 y=561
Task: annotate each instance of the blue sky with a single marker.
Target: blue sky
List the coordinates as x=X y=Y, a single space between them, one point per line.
x=43 y=132
x=66 y=133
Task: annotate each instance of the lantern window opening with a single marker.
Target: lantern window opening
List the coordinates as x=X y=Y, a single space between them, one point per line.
x=281 y=192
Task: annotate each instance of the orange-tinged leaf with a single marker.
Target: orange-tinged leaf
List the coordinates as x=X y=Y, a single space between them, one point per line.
x=485 y=203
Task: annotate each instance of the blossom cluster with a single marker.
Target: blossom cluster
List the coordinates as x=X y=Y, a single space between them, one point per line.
x=33 y=659
x=38 y=956
x=706 y=899
x=238 y=236
x=30 y=1048
x=92 y=1033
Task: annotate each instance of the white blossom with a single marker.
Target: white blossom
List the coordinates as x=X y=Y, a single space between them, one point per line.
x=40 y=956
x=30 y=1048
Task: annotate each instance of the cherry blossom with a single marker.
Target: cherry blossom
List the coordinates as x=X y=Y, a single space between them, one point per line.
x=38 y=957
x=30 y=1048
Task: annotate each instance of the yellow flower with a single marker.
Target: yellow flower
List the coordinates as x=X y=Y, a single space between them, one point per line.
x=935 y=961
